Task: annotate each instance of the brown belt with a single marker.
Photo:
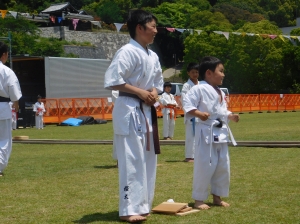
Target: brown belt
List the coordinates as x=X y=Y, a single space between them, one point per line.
x=154 y=123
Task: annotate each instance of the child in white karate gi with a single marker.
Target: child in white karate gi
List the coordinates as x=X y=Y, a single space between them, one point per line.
x=190 y=121
x=207 y=102
x=14 y=116
x=135 y=71
x=39 y=110
x=169 y=115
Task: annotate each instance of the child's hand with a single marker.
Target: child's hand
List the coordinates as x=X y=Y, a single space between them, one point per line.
x=203 y=115
x=234 y=117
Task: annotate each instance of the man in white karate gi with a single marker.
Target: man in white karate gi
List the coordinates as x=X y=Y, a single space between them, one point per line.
x=211 y=166
x=169 y=115
x=190 y=121
x=135 y=71
x=9 y=91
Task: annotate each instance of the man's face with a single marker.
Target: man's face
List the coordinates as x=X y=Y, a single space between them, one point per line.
x=148 y=33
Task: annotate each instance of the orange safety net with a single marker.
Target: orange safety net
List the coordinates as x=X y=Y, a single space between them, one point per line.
x=52 y=111
x=58 y=110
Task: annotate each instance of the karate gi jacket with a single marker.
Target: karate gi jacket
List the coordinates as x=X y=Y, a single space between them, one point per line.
x=39 y=108
x=166 y=99
x=9 y=88
x=186 y=87
x=132 y=64
x=205 y=98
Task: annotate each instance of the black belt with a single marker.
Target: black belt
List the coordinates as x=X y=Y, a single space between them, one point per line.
x=4 y=99
x=154 y=123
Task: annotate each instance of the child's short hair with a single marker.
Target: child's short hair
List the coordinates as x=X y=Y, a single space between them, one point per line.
x=138 y=17
x=210 y=63
x=192 y=66
x=3 y=48
x=39 y=97
x=167 y=84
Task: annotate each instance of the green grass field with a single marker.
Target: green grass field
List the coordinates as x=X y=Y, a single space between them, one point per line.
x=79 y=183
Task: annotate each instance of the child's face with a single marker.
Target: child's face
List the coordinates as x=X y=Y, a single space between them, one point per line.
x=216 y=78
x=39 y=100
x=168 y=89
x=148 y=34
x=193 y=74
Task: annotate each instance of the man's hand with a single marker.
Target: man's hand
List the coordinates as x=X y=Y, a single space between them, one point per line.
x=147 y=97
x=234 y=117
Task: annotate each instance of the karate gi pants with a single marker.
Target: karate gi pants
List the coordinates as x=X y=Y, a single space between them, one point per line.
x=137 y=172
x=169 y=125
x=5 y=143
x=217 y=174
x=189 y=140
x=39 y=122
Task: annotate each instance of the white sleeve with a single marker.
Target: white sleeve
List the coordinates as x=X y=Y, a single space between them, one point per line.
x=14 y=89
x=120 y=68
x=158 y=79
x=192 y=99
x=34 y=107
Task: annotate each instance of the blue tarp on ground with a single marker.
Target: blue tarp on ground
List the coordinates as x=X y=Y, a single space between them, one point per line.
x=72 y=122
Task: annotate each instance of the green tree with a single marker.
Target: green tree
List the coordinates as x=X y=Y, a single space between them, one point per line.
x=296 y=32
x=209 y=21
x=173 y=14
x=109 y=12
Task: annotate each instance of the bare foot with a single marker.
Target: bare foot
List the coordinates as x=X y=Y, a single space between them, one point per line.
x=146 y=215
x=189 y=160
x=218 y=201
x=133 y=218
x=201 y=205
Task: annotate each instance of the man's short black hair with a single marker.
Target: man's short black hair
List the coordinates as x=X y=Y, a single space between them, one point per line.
x=167 y=84
x=208 y=63
x=138 y=17
x=3 y=48
x=192 y=66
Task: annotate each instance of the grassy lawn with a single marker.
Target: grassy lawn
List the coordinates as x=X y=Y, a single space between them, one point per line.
x=79 y=183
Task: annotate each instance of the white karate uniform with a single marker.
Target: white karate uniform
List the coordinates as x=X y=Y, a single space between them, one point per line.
x=9 y=88
x=39 y=109
x=169 y=123
x=132 y=64
x=189 y=129
x=14 y=116
x=115 y=95
x=211 y=164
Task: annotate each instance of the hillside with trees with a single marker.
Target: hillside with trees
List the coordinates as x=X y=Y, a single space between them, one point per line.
x=254 y=63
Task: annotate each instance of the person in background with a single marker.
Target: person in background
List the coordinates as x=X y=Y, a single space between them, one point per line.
x=190 y=121
x=14 y=116
x=9 y=91
x=168 y=111
x=39 y=110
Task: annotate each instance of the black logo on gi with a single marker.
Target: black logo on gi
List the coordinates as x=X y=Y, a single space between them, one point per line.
x=126 y=188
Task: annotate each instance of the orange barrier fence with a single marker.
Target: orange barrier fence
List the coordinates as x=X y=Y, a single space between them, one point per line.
x=58 y=110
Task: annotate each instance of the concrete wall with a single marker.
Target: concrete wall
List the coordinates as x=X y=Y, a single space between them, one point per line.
x=105 y=44
x=287 y=30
